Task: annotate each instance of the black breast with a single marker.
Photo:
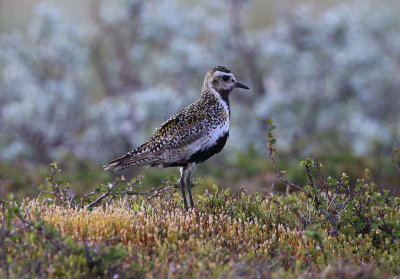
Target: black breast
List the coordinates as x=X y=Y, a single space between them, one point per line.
x=202 y=155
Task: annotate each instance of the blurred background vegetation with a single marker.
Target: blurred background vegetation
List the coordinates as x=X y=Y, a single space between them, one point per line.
x=82 y=82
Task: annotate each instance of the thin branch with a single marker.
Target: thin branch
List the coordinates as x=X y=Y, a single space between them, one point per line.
x=332 y=201
x=322 y=181
x=308 y=168
x=55 y=194
x=153 y=192
x=159 y=192
x=104 y=195
x=287 y=190
x=278 y=172
x=43 y=191
x=71 y=201
x=85 y=197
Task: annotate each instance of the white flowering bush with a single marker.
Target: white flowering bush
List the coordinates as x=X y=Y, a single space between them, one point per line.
x=335 y=77
x=43 y=100
x=329 y=82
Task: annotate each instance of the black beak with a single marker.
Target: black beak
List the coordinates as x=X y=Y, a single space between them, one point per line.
x=241 y=85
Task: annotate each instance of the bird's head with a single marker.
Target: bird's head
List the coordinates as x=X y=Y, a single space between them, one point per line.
x=221 y=80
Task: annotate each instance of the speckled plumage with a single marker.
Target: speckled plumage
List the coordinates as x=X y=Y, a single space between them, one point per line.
x=193 y=134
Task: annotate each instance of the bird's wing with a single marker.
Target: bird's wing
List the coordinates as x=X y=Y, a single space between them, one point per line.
x=180 y=130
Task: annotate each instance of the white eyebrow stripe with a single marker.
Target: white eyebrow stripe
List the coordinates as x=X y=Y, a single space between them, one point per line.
x=219 y=73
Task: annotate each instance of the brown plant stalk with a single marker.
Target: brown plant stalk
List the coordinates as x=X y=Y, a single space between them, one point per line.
x=278 y=172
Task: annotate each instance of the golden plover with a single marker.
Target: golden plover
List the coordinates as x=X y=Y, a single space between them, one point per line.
x=192 y=135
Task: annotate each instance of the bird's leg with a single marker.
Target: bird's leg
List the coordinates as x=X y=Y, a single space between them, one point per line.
x=189 y=184
x=182 y=183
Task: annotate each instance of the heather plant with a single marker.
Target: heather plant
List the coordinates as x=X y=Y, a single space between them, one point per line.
x=60 y=193
x=338 y=205
x=32 y=247
x=232 y=234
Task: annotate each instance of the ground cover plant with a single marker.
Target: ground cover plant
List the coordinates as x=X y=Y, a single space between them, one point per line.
x=329 y=228
x=81 y=92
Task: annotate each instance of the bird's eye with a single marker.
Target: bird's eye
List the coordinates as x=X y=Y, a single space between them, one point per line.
x=225 y=78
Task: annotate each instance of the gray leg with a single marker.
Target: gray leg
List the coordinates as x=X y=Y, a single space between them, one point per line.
x=182 y=182
x=189 y=184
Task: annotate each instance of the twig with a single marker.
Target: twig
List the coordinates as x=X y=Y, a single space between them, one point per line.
x=85 y=197
x=153 y=192
x=287 y=190
x=343 y=206
x=159 y=192
x=277 y=171
x=55 y=194
x=71 y=200
x=308 y=168
x=332 y=201
x=104 y=195
x=310 y=178
x=42 y=191
x=60 y=190
x=322 y=181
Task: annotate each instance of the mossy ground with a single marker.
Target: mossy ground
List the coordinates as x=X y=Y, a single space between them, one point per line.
x=229 y=235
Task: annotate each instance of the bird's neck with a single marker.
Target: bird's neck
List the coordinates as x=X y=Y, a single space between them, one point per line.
x=220 y=96
x=224 y=95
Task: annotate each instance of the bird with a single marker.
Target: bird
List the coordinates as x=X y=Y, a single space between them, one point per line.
x=190 y=136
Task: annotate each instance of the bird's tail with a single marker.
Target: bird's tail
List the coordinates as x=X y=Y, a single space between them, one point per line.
x=138 y=157
x=117 y=164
